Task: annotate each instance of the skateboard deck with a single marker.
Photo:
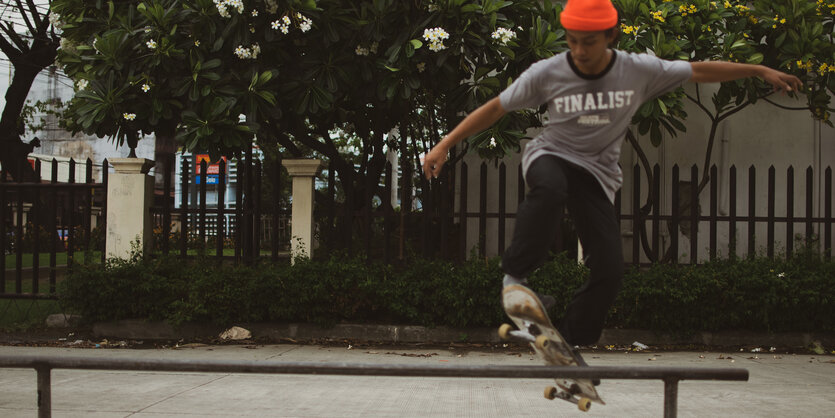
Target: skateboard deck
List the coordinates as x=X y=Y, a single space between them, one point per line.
x=533 y=326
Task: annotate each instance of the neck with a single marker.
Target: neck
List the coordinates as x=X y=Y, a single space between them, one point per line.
x=597 y=67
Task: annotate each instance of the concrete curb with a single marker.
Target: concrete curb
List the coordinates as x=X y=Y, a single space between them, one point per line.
x=276 y=332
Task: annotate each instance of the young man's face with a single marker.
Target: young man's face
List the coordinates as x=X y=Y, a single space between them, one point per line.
x=589 y=49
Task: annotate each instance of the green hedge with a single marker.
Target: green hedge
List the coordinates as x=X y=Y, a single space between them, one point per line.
x=757 y=295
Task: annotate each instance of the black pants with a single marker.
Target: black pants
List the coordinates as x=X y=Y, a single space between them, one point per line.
x=555 y=184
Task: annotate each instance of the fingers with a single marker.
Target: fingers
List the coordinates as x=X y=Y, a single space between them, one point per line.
x=786 y=83
x=430 y=168
x=427 y=169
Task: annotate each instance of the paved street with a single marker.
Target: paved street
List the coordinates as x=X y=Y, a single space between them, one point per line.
x=780 y=385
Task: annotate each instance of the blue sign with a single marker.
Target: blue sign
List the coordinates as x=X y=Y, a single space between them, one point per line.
x=210 y=179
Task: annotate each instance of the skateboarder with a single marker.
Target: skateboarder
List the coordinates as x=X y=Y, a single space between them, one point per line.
x=591 y=91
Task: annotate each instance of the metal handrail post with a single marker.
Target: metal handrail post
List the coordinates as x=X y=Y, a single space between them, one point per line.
x=670 y=397
x=44 y=390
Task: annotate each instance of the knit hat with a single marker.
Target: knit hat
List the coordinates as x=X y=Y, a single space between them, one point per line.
x=589 y=15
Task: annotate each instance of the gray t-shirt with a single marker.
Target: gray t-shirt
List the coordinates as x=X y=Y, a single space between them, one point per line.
x=588 y=116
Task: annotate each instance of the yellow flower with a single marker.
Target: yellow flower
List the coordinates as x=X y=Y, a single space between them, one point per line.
x=783 y=20
x=823 y=69
x=657 y=16
x=629 y=29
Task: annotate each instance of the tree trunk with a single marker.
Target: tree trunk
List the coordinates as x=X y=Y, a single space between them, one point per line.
x=15 y=151
x=27 y=66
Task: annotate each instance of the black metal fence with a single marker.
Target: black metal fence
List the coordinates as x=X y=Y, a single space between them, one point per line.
x=51 y=222
x=444 y=218
x=252 y=226
x=47 y=218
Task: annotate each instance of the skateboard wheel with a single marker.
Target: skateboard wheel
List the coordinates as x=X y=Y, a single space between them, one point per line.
x=504 y=331
x=550 y=393
x=542 y=342
x=584 y=404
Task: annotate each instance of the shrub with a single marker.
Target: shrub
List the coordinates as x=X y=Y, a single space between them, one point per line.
x=752 y=294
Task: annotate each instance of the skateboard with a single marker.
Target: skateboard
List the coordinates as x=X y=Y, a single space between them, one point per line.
x=526 y=310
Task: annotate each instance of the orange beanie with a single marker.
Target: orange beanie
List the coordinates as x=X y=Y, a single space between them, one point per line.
x=589 y=15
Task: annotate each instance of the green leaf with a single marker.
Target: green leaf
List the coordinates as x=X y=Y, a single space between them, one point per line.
x=416 y=44
x=780 y=39
x=662 y=106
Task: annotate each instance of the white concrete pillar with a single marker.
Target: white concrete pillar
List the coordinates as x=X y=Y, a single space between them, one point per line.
x=129 y=194
x=303 y=173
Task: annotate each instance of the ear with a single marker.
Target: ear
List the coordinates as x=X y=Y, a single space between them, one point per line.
x=612 y=36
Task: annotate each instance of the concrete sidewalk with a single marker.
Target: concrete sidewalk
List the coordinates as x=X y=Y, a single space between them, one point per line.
x=780 y=385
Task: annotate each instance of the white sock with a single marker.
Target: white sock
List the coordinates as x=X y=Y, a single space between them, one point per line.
x=510 y=280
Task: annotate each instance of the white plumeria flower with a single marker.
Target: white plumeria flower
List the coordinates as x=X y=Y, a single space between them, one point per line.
x=55 y=20
x=82 y=84
x=254 y=12
x=223 y=7
x=280 y=26
x=146 y=87
x=374 y=46
x=781 y=275
x=361 y=51
x=248 y=53
x=286 y=20
x=152 y=44
x=503 y=35
x=306 y=24
x=197 y=43
x=492 y=143
x=435 y=37
x=243 y=53
x=129 y=116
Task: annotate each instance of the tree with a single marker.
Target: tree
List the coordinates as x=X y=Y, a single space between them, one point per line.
x=332 y=78
x=791 y=35
x=308 y=77
x=29 y=53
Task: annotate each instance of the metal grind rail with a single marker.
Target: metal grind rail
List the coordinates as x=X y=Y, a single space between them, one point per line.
x=671 y=376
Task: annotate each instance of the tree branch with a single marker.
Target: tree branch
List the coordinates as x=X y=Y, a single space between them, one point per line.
x=36 y=16
x=701 y=106
x=11 y=52
x=784 y=107
x=20 y=8
x=7 y=28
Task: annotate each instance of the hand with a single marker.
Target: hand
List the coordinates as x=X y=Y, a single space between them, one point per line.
x=781 y=81
x=434 y=161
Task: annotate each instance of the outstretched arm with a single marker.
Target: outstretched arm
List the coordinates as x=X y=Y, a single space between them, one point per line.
x=719 y=71
x=477 y=121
